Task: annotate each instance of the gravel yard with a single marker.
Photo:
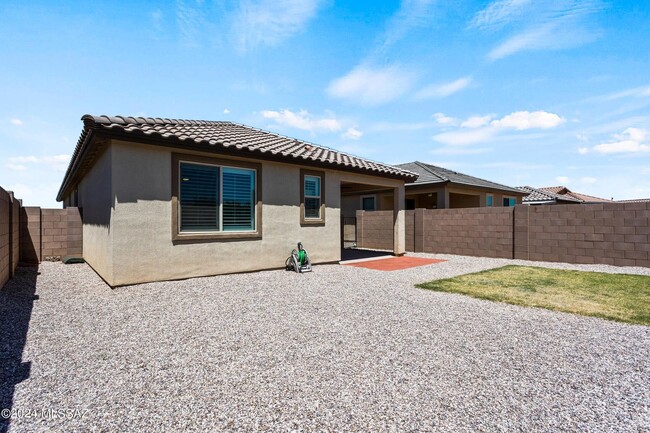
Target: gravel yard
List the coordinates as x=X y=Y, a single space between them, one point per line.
x=339 y=349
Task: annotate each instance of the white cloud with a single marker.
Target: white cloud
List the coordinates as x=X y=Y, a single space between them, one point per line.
x=16 y=121
x=562 y=179
x=531 y=39
x=635 y=134
x=583 y=150
x=443 y=119
x=21 y=163
x=303 y=120
x=411 y=14
x=369 y=86
x=270 y=22
x=543 y=25
x=588 y=180
x=499 y=13
x=631 y=140
x=352 y=134
x=190 y=18
x=636 y=92
x=443 y=90
x=476 y=121
x=624 y=146
x=477 y=129
x=464 y=137
x=522 y=120
x=226 y=111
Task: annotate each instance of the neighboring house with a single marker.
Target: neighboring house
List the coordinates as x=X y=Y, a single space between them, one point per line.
x=440 y=188
x=634 y=200
x=558 y=195
x=537 y=197
x=566 y=192
x=167 y=199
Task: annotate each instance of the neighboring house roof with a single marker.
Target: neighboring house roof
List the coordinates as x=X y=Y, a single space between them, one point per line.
x=431 y=174
x=538 y=196
x=566 y=192
x=634 y=200
x=228 y=137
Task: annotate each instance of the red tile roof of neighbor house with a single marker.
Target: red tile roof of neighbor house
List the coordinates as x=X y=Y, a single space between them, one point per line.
x=227 y=137
x=566 y=192
x=538 y=196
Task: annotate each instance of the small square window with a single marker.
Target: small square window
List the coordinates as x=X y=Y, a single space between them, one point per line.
x=509 y=201
x=368 y=203
x=489 y=200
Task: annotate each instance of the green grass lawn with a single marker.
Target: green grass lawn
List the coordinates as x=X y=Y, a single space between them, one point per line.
x=621 y=297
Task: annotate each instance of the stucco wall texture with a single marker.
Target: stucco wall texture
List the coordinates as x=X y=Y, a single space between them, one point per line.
x=129 y=238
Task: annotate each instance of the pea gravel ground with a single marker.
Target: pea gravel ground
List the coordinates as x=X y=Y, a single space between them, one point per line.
x=340 y=349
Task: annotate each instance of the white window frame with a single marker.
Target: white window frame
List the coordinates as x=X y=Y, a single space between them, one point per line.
x=319 y=196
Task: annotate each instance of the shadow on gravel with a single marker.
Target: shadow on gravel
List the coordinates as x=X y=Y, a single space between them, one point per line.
x=16 y=303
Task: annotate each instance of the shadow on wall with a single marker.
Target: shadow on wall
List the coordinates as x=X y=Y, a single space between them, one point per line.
x=16 y=303
x=30 y=229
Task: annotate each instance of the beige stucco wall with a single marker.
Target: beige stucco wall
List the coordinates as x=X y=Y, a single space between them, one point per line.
x=96 y=202
x=141 y=223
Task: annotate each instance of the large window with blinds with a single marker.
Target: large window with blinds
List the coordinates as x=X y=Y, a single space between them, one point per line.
x=216 y=198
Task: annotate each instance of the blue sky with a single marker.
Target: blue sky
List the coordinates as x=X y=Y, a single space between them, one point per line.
x=521 y=92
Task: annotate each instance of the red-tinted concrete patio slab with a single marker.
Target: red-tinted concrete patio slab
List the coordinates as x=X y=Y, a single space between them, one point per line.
x=395 y=263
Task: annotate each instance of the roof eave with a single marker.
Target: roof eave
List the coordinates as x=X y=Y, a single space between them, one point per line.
x=451 y=182
x=91 y=126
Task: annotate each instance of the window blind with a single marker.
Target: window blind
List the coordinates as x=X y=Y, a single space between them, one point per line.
x=199 y=197
x=312 y=196
x=238 y=199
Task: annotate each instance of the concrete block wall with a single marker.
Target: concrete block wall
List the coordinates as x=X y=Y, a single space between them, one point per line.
x=30 y=240
x=9 y=235
x=31 y=234
x=15 y=233
x=482 y=232
x=5 y=211
x=605 y=233
x=375 y=229
x=60 y=233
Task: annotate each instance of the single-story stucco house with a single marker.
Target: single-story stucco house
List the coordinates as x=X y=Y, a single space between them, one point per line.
x=435 y=188
x=166 y=199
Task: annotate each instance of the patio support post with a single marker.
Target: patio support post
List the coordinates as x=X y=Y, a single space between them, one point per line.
x=399 y=221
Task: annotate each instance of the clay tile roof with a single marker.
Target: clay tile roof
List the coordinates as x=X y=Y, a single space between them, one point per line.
x=227 y=135
x=566 y=193
x=536 y=195
x=431 y=174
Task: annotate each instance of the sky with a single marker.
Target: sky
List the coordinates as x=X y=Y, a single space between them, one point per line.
x=520 y=92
